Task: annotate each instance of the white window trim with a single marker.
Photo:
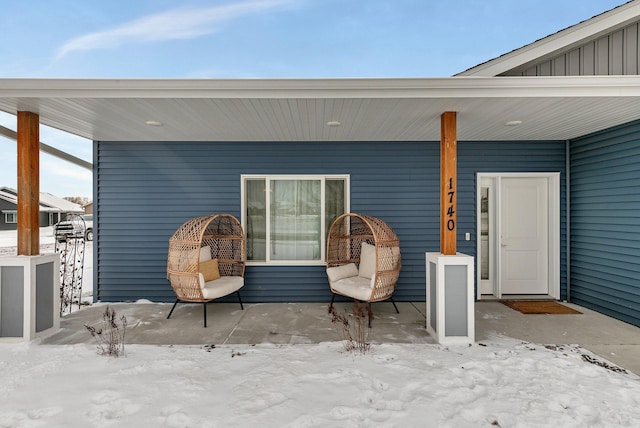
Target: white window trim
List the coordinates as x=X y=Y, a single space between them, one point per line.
x=12 y=213
x=324 y=227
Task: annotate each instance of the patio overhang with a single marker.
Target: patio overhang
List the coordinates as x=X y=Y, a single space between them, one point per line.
x=544 y=108
x=331 y=110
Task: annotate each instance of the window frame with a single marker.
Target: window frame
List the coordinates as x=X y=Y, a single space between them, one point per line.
x=13 y=214
x=324 y=227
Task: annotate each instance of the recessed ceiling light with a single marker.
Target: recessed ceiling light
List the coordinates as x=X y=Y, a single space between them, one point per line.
x=333 y=124
x=154 y=123
x=513 y=123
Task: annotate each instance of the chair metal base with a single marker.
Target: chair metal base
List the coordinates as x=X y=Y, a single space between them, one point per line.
x=204 y=308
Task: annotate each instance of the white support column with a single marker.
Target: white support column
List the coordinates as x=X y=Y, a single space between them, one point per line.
x=450 y=280
x=29 y=297
x=450 y=301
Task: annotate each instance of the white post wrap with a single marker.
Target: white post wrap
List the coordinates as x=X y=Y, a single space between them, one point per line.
x=29 y=297
x=450 y=298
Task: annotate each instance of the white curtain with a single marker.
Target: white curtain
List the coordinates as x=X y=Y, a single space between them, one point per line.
x=295 y=216
x=334 y=203
x=256 y=224
x=295 y=220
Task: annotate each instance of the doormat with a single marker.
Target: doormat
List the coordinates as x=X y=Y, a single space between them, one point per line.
x=539 y=307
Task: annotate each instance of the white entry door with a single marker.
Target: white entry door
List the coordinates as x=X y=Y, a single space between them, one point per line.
x=518 y=230
x=524 y=235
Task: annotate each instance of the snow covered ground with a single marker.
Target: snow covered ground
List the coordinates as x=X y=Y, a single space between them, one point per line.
x=9 y=239
x=500 y=382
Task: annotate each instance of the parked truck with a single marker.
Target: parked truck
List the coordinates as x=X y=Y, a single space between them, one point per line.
x=76 y=226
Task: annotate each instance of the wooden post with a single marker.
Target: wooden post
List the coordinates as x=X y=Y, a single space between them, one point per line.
x=28 y=183
x=448 y=183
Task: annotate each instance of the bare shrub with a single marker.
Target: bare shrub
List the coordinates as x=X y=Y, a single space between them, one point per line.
x=353 y=326
x=109 y=333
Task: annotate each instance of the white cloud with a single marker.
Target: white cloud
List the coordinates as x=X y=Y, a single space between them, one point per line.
x=171 y=25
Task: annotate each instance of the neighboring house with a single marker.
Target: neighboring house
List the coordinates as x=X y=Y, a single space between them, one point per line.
x=88 y=208
x=548 y=169
x=52 y=209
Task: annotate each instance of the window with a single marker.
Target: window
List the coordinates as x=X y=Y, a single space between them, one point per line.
x=10 y=217
x=286 y=219
x=484 y=233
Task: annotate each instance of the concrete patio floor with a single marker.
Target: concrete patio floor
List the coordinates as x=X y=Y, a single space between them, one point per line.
x=298 y=323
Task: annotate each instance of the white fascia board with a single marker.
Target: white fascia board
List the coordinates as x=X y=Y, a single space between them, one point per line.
x=10 y=200
x=12 y=90
x=562 y=40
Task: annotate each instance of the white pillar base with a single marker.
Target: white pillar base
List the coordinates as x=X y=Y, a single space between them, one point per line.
x=29 y=297
x=450 y=298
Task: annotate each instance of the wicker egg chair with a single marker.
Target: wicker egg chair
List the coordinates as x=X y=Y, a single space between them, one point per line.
x=363 y=259
x=194 y=251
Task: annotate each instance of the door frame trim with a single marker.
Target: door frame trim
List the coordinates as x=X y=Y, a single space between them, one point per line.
x=553 y=194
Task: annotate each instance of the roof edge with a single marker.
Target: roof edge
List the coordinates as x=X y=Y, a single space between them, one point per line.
x=590 y=29
x=457 y=87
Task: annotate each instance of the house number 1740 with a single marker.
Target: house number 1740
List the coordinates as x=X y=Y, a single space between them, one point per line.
x=451 y=223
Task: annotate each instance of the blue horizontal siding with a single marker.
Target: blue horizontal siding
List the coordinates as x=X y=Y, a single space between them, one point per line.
x=145 y=191
x=532 y=156
x=605 y=222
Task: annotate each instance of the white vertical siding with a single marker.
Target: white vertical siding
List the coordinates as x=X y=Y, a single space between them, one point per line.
x=616 y=53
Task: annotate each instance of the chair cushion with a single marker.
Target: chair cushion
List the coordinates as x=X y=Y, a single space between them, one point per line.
x=337 y=273
x=367 y=261
x=356 y=287
x=221 y=286
x=205 y=253
x=209 y=270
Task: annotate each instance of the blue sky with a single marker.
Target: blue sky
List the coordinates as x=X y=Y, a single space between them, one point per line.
x=255 y=39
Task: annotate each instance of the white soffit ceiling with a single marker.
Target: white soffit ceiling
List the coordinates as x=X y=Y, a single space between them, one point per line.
x=550 y=108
